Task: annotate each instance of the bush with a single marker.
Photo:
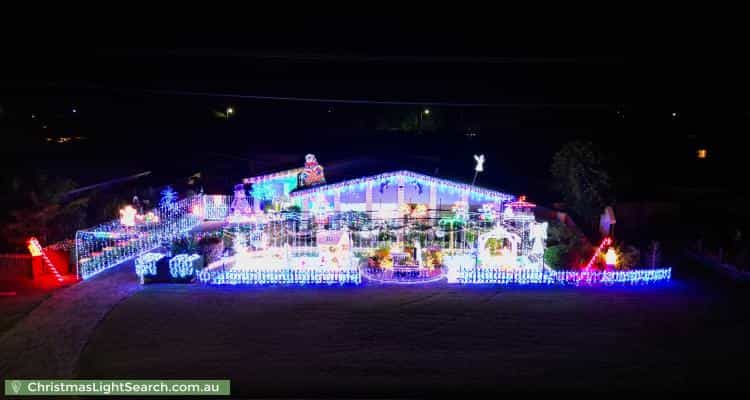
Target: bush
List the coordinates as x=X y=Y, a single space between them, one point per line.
x=228 y=240
x=565 y=250
x=184 y=245
x=211 y=248
x=554 y=256
x=628 y=257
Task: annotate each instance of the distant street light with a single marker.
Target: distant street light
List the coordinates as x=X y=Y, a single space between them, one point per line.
x=230 y=111
x=425 y=112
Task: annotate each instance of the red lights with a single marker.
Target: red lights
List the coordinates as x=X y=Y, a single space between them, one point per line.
x=36 y=250
x=607 y=241
x=521 y=203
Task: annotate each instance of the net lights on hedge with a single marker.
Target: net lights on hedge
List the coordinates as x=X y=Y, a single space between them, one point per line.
x=184 y=265
x=146 y=264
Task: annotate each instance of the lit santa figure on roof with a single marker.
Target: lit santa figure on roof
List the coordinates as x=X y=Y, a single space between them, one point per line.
x=312 y=174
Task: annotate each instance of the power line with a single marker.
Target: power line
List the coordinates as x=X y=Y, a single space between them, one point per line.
x=372 y=102
x=172 y=92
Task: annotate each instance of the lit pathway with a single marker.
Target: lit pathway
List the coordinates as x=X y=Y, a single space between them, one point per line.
x=48 y=341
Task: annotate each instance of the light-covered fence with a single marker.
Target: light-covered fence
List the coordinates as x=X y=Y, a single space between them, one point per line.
x=404 y=275
x=111 y=243
x=215 y=207
x=478 y=275
x=227 y=272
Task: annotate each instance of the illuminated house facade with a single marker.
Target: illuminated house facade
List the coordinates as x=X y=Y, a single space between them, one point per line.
x=294 y=227
x=399 y=225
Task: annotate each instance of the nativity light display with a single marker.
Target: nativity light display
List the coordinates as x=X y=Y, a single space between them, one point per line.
x=294 y=228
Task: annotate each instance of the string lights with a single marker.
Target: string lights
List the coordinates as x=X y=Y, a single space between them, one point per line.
x=111 y=243
x=314 y=246
x=474 y=275
x=146 y=264
x=214 y=207
x=184 y=265
x=442 y=184
x=283 y=276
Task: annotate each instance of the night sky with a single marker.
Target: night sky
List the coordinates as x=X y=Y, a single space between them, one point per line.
x=145 y=99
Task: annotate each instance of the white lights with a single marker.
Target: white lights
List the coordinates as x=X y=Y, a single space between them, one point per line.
x=146 y=264
x=283 y=276
x=442 y=184
x=184 y=265
x=111 y=243
x=479 y=159
x=215 y=207
x=127 y=215
x=470 y=275
x=610 y=258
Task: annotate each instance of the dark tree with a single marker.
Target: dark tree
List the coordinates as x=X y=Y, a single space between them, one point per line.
x=582 y=179
x=36 y=206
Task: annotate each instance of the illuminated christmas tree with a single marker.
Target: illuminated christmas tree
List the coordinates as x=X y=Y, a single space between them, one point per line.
x=168 y=197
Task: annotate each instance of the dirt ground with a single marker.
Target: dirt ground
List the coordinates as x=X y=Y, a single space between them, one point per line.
x=414 y=341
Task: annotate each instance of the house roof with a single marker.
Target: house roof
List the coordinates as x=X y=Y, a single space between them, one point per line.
x=273 y=175
x=474 y=191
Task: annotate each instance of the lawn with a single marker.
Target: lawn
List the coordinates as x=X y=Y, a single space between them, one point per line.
x=426 y=340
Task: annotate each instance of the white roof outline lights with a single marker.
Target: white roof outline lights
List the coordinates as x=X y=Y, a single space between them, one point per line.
x=272 y=176
x=474 y=191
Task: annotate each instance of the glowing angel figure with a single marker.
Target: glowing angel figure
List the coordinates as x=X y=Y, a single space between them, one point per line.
x=479 y=167
x=480 y=162
x=538 y=237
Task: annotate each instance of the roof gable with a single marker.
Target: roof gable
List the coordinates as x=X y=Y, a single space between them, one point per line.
x=473 y=191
